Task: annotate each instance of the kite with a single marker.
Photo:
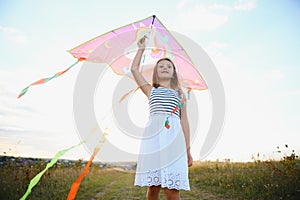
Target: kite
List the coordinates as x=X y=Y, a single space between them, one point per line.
x=117 y=48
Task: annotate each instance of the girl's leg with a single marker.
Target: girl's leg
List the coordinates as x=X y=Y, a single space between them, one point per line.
x=172 y=194
x=153 y=193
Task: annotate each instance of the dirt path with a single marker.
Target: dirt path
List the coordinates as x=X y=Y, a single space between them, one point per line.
x=100 y=194
x=133 y=192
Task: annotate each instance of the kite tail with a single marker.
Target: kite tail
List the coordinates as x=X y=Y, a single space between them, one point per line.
x=45 y=80
x=127 y=93
x=76 y=184
x=37 y=178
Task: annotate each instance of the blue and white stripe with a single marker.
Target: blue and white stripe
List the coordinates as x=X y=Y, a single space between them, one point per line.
x=163 y=101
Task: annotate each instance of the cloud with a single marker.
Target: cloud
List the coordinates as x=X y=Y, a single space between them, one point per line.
x=294 y=92
x=201 y=18
x=14 y=35
x=14 y=114
x=216 y=47
x=253 y=116
x=7 y=29
x=11 y=128
x=220 y=7
x=181 y=4
x=244 y=5
x=275 y=75
x=209 y=17
x=21 y=39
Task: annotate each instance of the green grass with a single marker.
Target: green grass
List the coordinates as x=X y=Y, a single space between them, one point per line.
x=208 y=180
x=258 y=180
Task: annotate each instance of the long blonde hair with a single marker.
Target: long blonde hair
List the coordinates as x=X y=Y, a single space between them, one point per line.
x=175 y=85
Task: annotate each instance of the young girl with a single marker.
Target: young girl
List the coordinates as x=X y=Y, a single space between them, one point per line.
x=165 y=148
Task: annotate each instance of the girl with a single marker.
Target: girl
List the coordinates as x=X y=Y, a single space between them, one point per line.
x=165 y=148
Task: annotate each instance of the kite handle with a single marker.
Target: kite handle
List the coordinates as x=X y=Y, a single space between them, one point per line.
x=153 y=20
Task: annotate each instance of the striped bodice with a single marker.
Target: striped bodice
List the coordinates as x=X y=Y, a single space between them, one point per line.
x=163 y=101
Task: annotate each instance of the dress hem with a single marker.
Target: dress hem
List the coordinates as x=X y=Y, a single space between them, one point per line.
x=171 y=188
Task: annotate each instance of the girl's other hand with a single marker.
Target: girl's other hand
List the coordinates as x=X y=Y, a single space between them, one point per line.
x=190 y=159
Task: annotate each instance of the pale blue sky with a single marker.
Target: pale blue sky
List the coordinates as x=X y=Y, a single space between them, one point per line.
x=254 y=44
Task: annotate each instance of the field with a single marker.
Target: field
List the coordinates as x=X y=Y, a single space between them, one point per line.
x=208 y=180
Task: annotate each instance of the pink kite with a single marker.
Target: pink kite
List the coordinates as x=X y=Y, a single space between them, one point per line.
x=117 y=48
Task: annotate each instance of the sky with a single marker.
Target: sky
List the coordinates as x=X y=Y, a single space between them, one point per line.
x=254 y=45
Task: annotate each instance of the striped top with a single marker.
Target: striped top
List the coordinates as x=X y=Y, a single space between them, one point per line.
x=163 y=101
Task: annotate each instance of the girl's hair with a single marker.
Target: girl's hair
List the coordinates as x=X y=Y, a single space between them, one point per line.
x=175 y=85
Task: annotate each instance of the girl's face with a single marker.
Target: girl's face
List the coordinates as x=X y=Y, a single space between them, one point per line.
x=165 y=70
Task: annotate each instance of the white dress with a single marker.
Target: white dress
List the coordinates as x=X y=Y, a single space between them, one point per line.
x=163 y=158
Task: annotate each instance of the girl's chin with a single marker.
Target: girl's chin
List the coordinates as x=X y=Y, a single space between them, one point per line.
x=164 y=78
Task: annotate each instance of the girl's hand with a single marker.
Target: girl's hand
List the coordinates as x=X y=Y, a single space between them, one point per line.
x=190 y=159
x=142 y=42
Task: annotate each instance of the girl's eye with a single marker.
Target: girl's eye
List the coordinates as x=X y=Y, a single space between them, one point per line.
x=169 y=66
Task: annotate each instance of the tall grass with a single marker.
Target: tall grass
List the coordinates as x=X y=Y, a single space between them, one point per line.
x=269 y=179
x=209 y=180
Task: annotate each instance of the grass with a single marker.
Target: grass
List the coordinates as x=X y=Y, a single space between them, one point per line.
x=258 y=180
x=208 y=180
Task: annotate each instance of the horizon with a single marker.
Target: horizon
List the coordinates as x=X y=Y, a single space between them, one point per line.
x=280 y=154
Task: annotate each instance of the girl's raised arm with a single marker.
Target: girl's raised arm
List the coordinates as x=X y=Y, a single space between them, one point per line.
x=140 y=80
